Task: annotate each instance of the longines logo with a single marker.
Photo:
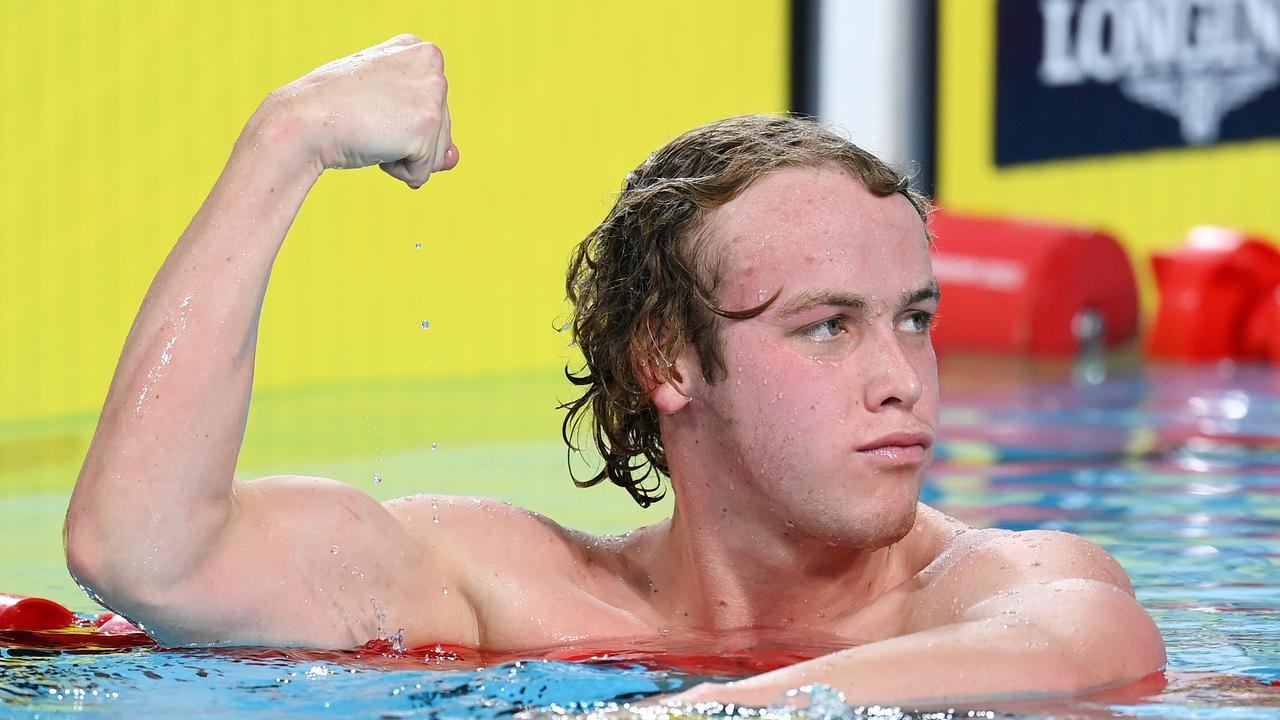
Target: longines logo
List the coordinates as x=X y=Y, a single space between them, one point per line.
x=1195 y=61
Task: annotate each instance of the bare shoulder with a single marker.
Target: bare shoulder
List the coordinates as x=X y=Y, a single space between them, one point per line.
x=974 y=565
x=481 y=520
x=480 y=532
x=1027 y=556
x=529 y=581
x=438 y=565
x=1044 y=587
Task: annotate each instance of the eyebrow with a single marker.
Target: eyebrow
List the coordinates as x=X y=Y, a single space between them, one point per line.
x=819 y=298
x=928 y=292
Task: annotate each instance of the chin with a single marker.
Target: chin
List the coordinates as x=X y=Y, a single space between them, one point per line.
x=870 y=527
x=884 y=521
x=900 y=523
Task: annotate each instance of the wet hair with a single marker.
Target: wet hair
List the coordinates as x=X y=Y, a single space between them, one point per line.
x=642 y=283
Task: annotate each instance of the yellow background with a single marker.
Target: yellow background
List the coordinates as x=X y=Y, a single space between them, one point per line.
x=118 y=117
x=1148 y=200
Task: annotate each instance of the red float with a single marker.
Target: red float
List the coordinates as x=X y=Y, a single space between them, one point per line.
x=1015 y=286
x=28 y=613
x=1218 y=298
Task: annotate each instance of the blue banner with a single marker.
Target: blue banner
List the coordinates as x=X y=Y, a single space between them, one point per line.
x=1081 y=78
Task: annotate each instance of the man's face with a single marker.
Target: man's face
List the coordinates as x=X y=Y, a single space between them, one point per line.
x=830 y=402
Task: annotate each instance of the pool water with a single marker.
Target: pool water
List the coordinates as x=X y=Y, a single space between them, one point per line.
x=1174 y=470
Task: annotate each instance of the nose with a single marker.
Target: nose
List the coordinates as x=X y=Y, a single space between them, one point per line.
x=891 y=378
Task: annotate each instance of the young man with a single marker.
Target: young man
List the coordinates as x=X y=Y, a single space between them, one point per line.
x=755 y=317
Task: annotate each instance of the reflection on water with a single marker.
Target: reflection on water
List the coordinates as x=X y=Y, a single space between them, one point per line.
x=1175 y=471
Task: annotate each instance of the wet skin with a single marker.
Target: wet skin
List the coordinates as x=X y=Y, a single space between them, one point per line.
x=796 y=475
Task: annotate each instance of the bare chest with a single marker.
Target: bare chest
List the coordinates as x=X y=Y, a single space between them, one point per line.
x=561 y=613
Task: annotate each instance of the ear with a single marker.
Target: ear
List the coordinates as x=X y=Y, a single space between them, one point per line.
x=672 y=396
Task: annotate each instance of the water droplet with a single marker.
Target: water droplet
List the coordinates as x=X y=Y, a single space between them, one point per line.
x=426 y=324
x=434 y=446
x=377 y=478
x=417 y=246
x=435 y=511
x=333 y=550
x=444 y=590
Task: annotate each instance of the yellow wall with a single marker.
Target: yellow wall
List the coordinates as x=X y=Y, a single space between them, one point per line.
x=117 y=117
x=1148 y=199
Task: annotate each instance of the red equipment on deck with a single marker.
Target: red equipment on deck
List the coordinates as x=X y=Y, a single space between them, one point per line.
x=1219 y=298
x=1022 y=287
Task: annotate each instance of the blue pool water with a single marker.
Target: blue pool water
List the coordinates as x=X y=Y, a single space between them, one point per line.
x=1175 y=471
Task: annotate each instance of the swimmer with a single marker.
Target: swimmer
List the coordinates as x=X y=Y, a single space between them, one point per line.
x=755 y=315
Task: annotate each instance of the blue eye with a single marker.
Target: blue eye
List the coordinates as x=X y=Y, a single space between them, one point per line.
x=828 y=329
x=917 y=321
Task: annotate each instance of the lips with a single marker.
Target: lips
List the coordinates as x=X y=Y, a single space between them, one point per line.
x=898 y=439
x=900 y=448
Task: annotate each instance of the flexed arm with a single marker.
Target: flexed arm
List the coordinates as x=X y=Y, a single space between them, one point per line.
x=156 y=527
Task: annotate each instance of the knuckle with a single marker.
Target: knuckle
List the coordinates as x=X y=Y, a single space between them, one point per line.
x=431 y=53
x=427 y=120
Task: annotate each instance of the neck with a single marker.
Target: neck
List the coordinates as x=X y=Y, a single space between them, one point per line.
x=737 y=555
x=715 y=570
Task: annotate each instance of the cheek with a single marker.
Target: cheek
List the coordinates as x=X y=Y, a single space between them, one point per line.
x=796 y=396
x=765 y=382
x=927 y=370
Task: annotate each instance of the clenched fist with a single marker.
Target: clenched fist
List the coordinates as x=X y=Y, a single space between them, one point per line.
x=386 y=105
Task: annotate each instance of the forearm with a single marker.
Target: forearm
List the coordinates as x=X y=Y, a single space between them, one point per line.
x=157 y=479
x=1064 y=637
x=969 y=661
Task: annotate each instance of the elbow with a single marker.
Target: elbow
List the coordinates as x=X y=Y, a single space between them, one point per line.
x=79 y=544
x=98 y=556
x=1111 y=641
x=87 y=554
x=108 y=576
x=84 y=542
x=136 y=555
